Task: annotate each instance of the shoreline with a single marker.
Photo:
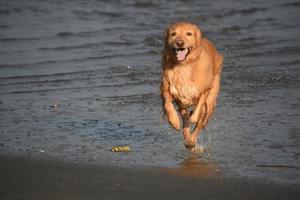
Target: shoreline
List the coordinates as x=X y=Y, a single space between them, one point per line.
x=24 y=178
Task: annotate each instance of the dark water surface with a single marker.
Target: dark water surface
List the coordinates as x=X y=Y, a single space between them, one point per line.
x=78 y=77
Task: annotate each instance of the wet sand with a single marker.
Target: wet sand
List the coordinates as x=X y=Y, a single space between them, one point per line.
x=23 y=178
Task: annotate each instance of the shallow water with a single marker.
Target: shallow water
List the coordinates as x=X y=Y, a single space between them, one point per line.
x=78 y=77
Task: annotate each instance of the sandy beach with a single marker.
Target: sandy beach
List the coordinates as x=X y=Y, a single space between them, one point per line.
x=23 y=178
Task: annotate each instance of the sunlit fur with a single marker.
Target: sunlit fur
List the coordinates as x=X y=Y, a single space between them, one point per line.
x=195 y=81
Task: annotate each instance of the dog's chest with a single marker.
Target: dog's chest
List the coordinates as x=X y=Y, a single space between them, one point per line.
x=182 y=87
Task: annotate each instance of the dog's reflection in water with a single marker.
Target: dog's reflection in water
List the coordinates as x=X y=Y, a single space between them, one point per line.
x=195 y=167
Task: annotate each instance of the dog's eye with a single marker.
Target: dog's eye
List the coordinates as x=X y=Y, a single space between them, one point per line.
x=189 y=34
x=173 y=34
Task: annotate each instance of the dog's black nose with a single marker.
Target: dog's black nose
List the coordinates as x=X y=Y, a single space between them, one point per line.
x=179 y=43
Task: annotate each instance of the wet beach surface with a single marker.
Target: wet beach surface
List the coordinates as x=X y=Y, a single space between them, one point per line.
x=61 y=180
x=79 y=77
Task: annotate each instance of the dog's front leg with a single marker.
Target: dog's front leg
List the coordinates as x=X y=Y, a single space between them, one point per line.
x=199 y=108
x=170 y=110
x=212 y=99
x=201 y=117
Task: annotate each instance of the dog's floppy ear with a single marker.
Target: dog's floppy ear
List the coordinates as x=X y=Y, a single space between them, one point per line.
x=166 y=50
x=198 y=35
x=166 y=38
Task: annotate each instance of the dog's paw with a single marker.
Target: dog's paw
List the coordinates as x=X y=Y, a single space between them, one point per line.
x=190 y=145
x=198 y=149
x=194 y=147
x=175 y=122
x=194 y=118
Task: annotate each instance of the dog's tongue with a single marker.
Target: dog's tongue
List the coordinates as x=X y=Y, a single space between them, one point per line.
x=181 y=54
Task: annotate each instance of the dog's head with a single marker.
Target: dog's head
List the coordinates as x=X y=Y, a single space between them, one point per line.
x=183 y=42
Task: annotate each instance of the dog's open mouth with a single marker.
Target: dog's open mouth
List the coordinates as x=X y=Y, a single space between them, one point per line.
x=181 y=53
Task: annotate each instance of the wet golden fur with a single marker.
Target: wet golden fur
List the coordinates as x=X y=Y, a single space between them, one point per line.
x=192 y=82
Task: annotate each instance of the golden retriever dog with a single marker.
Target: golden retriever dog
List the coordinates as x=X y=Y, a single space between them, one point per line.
x=191 y=78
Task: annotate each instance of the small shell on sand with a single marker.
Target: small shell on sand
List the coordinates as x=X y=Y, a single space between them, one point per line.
x=120 y=149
